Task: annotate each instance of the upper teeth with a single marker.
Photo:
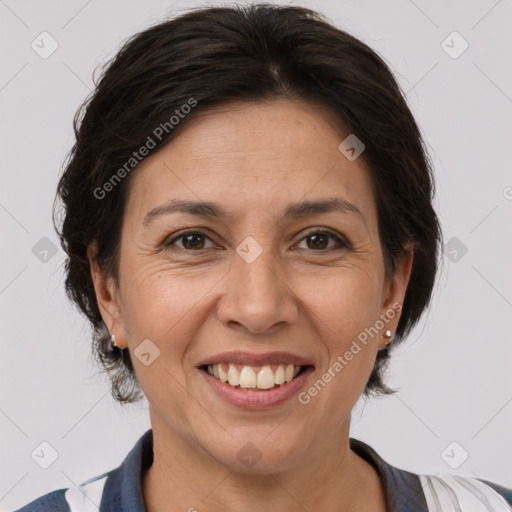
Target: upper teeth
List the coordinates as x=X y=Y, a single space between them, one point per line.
x=254 y=377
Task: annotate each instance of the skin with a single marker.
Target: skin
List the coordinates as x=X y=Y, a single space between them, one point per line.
x=253 y=159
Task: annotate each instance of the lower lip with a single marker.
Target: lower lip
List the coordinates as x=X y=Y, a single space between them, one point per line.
x=257 y=400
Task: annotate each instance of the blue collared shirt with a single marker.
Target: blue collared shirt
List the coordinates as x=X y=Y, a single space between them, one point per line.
x=120 y=490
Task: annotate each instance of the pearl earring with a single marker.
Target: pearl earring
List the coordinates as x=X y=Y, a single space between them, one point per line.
x=387 y=334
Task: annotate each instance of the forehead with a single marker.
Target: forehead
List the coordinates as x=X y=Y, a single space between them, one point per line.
x=254 y=156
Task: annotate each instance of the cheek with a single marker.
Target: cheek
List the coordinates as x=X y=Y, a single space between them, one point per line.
x=346 y=307
x=164 y=305
x=346 y=303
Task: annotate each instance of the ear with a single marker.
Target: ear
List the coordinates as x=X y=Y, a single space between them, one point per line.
x=394 y=294
x=107 y=297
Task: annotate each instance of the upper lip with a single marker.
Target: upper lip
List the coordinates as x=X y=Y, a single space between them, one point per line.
x=252 y=359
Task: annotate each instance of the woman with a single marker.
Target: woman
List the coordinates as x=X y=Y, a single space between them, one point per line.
x=249 y=226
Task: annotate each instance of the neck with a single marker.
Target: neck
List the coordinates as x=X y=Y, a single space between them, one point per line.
x=334 y=478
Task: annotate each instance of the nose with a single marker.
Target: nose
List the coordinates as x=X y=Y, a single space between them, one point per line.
x=258 y=298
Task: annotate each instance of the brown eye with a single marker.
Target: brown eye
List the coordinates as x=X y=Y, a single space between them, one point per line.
x=190 y=241
x=193 y=241
x=319 y=240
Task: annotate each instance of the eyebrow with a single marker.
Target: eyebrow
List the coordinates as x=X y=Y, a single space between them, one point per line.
x=213 y=210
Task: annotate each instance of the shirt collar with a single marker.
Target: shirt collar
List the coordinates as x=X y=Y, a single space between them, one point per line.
x=402 y=489
x=123 y=488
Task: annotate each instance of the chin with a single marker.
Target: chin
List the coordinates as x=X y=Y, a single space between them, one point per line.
x=255 y=450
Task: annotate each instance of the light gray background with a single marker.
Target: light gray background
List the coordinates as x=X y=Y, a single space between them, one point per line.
x=453 y=373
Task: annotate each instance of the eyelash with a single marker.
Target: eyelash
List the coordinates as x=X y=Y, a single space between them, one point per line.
x=341 y=243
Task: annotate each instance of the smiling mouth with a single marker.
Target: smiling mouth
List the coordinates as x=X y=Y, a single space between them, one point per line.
x=258 y=378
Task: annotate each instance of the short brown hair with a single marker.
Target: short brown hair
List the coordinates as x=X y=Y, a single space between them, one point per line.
x=248 y=53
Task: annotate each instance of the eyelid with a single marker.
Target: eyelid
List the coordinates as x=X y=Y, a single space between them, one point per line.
x=170 y=240
x=341 y=241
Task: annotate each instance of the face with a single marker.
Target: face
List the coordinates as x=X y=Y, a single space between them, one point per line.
x=255 y=279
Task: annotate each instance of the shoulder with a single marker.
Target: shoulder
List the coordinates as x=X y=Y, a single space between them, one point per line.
x=118 y=489
x=406 y=491
x=451 y=492
x=53 y=501
x=86 y=498
x=506 y=492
